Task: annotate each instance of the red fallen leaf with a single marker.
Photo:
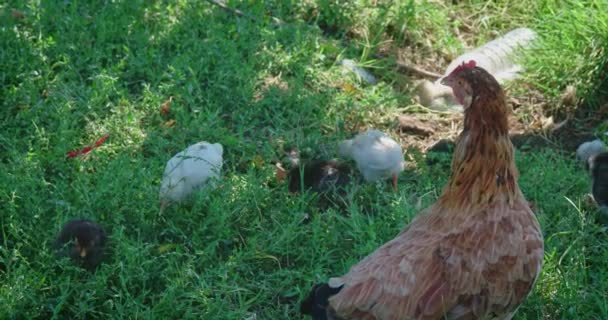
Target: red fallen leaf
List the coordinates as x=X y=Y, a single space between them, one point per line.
x=74 y=153
x=100 y=141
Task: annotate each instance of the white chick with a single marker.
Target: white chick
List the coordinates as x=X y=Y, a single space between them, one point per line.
x=196 y=167
x=588 y=149
x=377 y=155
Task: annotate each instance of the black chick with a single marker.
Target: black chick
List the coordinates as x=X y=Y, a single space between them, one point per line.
x=83 y=241
x=319 y=176
x=327 y=177
x=598 y=168
x=317 y=301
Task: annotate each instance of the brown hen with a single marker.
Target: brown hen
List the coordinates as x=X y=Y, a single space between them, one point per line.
x=474 y=254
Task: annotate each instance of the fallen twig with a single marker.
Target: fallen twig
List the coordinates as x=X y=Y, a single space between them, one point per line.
x=241 y=13
x=231 y=10
x=418 y=70
x=420 y=108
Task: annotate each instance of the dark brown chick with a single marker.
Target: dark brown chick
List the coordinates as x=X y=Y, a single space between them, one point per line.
x=474 y=254
x=328 y=178
x=83 y=241
x=319 y=176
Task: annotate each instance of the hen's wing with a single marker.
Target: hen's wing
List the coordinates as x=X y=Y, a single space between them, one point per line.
x=478 y=268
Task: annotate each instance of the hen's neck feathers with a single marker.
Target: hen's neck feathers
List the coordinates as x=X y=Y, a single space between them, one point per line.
x=483 y=167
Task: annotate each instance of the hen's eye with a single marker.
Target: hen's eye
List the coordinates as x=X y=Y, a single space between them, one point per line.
x=460 y=82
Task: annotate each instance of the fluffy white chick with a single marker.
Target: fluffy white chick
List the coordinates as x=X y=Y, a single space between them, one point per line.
x=196 y=167
x=586 y=150
x=377 y=155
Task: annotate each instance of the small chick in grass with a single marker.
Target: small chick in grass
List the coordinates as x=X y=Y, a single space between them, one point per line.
x=377 y=155
x=319 y=176
x=83 y=241
x=196 y=167
x=327 y=177
x=598 y=168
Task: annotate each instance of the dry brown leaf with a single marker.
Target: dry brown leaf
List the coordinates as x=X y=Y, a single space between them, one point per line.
x=17 y=14
x=166 y=247
x=169 y=123
x=165 y=108
x=569 y=96
x=349 y=88
x=602 y=111
x=547 y=123
x=280 y=173
x=589 y=200
x=258 y=161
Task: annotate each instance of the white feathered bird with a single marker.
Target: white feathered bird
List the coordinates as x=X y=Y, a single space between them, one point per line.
x=498 y=57
x=196 y=167
x=586 y=150
x=377 y=155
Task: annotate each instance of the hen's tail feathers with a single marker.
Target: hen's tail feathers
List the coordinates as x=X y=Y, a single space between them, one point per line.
x=316 y=303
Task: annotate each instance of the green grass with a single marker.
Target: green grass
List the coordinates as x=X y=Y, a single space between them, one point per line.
x=72 y=71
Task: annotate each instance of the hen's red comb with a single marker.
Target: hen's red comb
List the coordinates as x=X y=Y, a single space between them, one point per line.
x=464 y=66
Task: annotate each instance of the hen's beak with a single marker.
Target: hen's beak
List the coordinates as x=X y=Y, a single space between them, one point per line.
x=394 y=180
x=445 y=81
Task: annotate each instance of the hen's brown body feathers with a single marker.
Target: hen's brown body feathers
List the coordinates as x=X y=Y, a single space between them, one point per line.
x=475 y=253
x=482 y=268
